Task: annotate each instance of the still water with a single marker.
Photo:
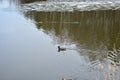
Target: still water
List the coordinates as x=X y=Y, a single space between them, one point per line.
x=29 y=43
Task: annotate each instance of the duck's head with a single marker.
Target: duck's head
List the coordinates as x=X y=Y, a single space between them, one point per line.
x=58 y=47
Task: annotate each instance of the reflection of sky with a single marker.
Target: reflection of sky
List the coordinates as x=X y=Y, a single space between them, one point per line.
x=7 y=5
x=4 y=4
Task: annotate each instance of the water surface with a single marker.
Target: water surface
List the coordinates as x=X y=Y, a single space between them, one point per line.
x=29 y=43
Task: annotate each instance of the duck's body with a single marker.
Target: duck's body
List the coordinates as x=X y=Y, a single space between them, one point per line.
x=61 y=49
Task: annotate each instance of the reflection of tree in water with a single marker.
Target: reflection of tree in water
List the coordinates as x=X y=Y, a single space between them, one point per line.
x=88 y=28
x=92 y=32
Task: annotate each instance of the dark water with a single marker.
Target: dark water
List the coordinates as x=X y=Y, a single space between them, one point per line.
x=29 y=44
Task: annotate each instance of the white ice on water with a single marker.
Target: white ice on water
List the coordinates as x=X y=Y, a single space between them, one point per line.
x=49 y=6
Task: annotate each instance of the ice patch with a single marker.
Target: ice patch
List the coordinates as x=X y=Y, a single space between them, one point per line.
x=71 y=6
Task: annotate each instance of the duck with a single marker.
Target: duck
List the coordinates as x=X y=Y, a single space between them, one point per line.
x=61 y=49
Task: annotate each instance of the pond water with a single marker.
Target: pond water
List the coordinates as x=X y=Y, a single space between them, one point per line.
x=89 y=43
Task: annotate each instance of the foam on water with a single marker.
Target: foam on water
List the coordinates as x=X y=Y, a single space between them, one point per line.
x=71 y=6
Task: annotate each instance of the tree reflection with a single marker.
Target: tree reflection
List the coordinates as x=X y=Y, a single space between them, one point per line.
x=92 y=32
x=92 y=29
